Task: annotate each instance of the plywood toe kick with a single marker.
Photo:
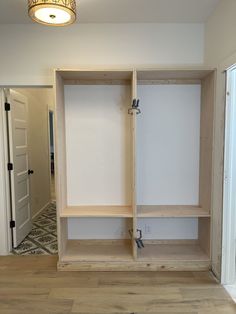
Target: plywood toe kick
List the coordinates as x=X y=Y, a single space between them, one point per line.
x=136 y=266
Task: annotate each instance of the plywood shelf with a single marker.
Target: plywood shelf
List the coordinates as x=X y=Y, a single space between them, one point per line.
x=171 y=211
x=97 y=250
x=97 y=211
x=172 y=250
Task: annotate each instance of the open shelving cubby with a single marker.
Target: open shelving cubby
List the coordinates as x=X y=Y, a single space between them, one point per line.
x=174 y=164
x=94 y=167
x=119 y=171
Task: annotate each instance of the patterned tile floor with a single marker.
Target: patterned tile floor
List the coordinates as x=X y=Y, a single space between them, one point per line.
x=43 y=237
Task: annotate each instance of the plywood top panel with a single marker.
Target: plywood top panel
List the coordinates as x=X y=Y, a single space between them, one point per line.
x=97 y=211
x=95 y=75
x=171 y=74
x=171 y=211
x=79 y=76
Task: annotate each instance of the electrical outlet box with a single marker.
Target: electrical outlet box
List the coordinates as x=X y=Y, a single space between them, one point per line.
x=147 y=229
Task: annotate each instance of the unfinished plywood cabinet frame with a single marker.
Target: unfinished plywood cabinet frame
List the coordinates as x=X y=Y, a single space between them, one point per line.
x=118 y=254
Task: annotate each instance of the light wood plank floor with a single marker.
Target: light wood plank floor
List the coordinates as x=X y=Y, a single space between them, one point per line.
x=31 y=284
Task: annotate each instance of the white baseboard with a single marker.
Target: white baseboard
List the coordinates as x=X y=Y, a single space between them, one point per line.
x=41 y=209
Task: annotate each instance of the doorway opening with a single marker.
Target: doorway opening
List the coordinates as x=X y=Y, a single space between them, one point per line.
x=229 y=204
x=30 y=142
x=52 y=155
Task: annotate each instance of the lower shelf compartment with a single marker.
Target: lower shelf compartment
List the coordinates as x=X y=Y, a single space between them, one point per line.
x=97 y=250
x=179 y=250
x=116 y=255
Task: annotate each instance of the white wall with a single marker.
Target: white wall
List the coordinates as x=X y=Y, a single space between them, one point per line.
x=99 y=228
x=38 y=103
x=32 y=51
x=168 y=145
x=220 y=37
x=98 y=145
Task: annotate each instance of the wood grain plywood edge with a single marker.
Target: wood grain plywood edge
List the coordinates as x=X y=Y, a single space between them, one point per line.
x=60 y=160
x=133 y=162
x=96 y=74
x=171 y=211
x=97 y=211
x=135 y=266
x=170 y=82
x=206 y=160
x=206 y=141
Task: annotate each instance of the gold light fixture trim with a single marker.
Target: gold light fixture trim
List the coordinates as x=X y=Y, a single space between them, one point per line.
x=52 y=12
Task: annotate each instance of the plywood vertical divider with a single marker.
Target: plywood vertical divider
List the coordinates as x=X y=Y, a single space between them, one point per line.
x=60 y=160
x=204 y=234
x=206 y=156
x=206 y=142
x=134 y=196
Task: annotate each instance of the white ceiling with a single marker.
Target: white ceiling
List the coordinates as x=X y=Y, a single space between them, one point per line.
x=121 y=11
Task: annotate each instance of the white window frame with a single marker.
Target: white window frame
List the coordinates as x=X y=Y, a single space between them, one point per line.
x=228 y=275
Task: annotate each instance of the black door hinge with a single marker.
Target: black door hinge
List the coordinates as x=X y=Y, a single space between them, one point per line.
x=10 y=166
x=7 y=106
x=12 y=224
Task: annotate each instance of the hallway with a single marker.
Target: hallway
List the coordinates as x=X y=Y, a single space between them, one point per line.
x=43 y=237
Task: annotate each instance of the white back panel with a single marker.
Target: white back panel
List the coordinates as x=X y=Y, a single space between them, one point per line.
x=99 y=228
x=98 y=144
x=117 y=228
x=169 y=228
x=168 y=144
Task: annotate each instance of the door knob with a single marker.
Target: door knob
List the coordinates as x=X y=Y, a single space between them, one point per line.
x=30 y=171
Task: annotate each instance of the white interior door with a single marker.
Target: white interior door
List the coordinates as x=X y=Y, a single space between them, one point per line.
x=19 y=175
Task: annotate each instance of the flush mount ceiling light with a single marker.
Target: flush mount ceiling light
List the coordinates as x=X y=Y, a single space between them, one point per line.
x=52 y=12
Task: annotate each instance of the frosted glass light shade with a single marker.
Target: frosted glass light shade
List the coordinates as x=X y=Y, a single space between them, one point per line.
x=52 y=12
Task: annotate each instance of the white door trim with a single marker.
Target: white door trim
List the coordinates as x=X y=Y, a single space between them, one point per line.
x=49 y=146
x=228 y=275
x=6 y=238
